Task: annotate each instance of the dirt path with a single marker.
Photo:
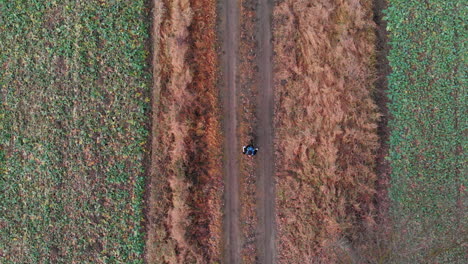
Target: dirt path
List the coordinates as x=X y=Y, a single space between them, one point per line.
x=265 y=159
x=229 y=33
x=229 y=28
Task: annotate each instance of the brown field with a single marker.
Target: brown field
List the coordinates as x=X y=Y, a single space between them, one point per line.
x=326 y=127
x=185 y=184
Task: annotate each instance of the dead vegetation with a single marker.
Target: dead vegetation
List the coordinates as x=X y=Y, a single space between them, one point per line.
x=326 y=121
x=204 y=139
x=184 y=193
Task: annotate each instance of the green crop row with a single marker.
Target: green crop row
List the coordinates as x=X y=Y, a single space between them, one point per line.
x=74 y=101
x=427 y=89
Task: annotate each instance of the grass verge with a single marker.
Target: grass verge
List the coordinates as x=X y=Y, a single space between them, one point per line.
x=185 y=181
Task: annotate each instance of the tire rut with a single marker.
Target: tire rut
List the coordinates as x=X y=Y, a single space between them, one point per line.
x=229 y=33
x=265 y=161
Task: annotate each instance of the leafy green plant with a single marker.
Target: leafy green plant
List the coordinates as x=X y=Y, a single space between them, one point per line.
x=427 y=89
x=74 y=88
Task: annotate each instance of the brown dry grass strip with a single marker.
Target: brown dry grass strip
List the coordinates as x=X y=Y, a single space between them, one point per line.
x=166 y=205
x=184 y=193
x=326 y=125
x=204 y=140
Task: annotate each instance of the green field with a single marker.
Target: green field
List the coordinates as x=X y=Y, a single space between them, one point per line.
x=74 y=98
x=429 y=106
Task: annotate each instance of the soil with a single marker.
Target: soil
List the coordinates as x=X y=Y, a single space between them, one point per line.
x=248 y=85
x=247 y=96
x=229 y=36
x=264 y=133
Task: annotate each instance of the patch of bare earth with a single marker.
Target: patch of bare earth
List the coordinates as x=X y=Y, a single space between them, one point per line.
x=184 y=184
x=326 y=127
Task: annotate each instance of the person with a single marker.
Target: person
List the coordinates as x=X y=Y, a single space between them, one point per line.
x=249 y=150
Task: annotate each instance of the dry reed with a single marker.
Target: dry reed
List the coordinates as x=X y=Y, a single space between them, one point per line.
x=326 y=123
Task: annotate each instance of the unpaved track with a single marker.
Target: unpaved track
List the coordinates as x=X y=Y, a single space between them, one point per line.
x=229 y=27
x=264 y=131
x=229 y=17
